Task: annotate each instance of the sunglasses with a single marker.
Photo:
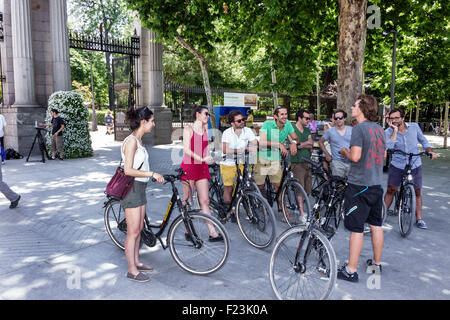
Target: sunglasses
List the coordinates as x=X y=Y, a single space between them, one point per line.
x=240 y=120
x=207 y=114
x=307 y=118
x=338 y=118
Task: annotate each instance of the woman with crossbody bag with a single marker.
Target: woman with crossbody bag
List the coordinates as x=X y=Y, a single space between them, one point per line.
x=136 y=165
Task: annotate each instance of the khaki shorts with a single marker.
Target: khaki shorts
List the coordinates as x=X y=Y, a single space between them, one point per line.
x=57 y=143
x=269 y=168
x=339 y=168
x=302 y=172
x=229 y=173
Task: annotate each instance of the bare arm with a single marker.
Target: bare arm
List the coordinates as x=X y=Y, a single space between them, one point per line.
x=354 y=154
x=129 y=150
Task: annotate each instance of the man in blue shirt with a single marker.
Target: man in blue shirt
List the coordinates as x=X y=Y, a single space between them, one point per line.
x=339 y=137
x=405 y=136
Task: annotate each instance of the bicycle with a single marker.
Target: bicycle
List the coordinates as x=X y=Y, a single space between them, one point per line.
x=405 y=197
x=289 y=192
x=303 y=263
x=187 y=238
x=254 y=216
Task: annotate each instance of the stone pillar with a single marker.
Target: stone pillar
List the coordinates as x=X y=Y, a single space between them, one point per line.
x=24 y=84
x=162 y=133
x=60 y=45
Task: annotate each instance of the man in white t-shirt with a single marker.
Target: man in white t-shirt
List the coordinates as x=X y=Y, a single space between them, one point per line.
x=235 y=140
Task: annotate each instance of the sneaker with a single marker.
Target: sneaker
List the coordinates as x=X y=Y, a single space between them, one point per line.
x=391 y=213
x=216 y=239
x=421 y=224
x=372 y=267
x=140 y=277
x=14 y=203
x=343 y=274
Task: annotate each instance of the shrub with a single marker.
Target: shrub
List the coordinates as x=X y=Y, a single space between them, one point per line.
x=100 y=116
x=77 y=140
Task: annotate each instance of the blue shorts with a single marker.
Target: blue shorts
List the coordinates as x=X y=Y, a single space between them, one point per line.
x=396 y=175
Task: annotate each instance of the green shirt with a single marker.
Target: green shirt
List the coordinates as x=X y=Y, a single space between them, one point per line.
x=274 y=134
x=302 y=137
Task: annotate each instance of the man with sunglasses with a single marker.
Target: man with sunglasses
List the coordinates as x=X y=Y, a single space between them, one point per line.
x=405 y=136
x=339 y=137
x=300 y=168
x=234 y=141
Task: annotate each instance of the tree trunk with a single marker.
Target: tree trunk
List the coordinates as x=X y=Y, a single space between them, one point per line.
x=94 y=113
x=446 y=124
x=417 y=109
x=318 y=84
x=204 y=69
x=351 y=46
x=274 y=82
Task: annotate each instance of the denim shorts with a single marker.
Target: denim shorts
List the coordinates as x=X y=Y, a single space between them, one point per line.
x=396 y=175
x=136 y=197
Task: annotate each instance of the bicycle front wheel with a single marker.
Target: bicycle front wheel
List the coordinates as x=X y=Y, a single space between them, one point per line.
x=255 y=220
x=407 y=210
x=309 y=274
x=115 y=223
x=200 y=255
x=294 y=203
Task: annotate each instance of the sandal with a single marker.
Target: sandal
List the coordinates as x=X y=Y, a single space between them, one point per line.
x=140 y=277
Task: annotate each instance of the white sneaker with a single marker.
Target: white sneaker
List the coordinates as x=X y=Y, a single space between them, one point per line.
x=302 y=219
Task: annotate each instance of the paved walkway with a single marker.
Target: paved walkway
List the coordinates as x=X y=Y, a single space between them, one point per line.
x=54 y=245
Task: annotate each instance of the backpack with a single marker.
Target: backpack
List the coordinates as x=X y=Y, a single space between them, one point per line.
x=12 y=154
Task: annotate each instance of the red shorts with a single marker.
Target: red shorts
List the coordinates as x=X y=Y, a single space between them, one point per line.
x=195 y=171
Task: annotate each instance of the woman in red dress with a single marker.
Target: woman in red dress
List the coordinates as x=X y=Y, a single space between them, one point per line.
x=195 y=163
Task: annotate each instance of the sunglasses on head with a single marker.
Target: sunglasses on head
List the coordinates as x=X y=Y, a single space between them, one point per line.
x=240 y=120
x=338 y=118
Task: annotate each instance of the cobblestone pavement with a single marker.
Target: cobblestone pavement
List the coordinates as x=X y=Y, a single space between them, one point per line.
x=54 y=244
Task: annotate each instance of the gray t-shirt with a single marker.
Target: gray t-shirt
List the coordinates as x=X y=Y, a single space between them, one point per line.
x=368 y=171
x=337 y=142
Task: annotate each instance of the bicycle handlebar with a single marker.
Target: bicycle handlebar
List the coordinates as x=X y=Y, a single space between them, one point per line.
x=411 y=154
x=172 y=177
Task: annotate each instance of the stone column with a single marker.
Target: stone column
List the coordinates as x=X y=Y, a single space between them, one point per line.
x=162 y=133
x=60 y=45
x=24 y=88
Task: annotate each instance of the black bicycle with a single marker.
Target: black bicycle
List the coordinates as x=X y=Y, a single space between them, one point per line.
x=405 y=197
x=303 y=263
x=188 y=237
x=291 y=194
x=253 y=213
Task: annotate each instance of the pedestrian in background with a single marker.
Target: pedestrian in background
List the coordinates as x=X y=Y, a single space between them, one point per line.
x=58 y=126
x=7 y=192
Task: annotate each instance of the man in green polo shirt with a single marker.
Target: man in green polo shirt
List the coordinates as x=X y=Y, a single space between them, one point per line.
x=300 y=168
x=272 y=136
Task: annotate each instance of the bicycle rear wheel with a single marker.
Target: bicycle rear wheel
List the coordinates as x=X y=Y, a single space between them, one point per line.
x=115 y=223
x=309 y=278
x=407 y=210
x=255 y=220
x=204 y=256
x=293 y=200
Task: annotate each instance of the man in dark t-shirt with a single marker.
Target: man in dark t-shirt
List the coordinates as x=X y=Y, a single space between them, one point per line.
x=364 y=194
x=57 y=125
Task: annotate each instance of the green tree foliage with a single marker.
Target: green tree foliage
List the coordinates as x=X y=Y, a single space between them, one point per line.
x=81 y=75
x=422 y=53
